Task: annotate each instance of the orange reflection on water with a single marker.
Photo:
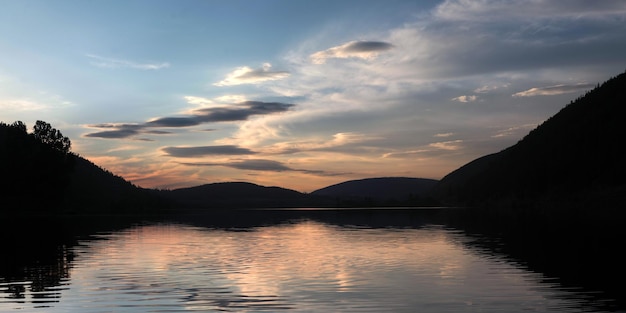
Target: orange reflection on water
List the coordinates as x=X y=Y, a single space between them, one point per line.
x=273 y=260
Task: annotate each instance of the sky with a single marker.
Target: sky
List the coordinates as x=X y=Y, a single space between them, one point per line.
x=299 y=94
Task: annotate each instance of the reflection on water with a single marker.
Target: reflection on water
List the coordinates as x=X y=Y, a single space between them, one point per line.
x=302 y=265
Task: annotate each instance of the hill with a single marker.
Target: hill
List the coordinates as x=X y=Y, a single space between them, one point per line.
x=34 y=173
x=240 y=195
x=380 y=191
x=572 y=164
x=92 y=189
x=41 y=176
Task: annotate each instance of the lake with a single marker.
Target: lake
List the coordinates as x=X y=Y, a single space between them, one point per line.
x=385 y=260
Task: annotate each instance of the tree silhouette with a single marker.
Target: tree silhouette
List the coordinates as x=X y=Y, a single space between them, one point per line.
x=51 y=136
x=19 y=125
x=35 y=168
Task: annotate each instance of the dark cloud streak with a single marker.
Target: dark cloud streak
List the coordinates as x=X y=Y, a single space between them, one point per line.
x=262 y=165
x=173 y=122
x=238 y=112
x=241 y=113
x=113 y=134
x=188 y=152
x=367 y=46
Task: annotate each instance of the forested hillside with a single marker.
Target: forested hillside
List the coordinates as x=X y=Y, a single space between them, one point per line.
x=35 y=168
x=573 y=163
x=41 y=175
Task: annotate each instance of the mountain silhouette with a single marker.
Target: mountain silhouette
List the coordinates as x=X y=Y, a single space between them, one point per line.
x=572 y=162
x=41 y=176
x=380 y=191
x=93 y=189
x=239 y=195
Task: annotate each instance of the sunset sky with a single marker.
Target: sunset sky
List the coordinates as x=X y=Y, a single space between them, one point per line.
x=299 y=94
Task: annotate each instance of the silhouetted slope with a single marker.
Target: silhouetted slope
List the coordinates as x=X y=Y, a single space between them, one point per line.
x=93 y=189
x=572 y=161
x=34 y=174
x=239 y=195
x=39 y=175
x=381 y=191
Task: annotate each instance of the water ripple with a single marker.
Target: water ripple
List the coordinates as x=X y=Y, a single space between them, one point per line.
x=299 y=267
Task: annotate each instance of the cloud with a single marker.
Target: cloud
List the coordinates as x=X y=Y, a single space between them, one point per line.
x=353 y=49
x=261 y=165
x=199 y=101
x=472 y=10
x=238 y=112
x=514 y=130
x=117 y=63
x=447 y=145
x=186 y=152
x=246 y=75
x=174 y=122
x=431 y=149
x=119 y=131
x=490 y=88
x=338 y=142
x=21 y=105
x=553 y=90
x=113 y=134
x=408 y=153
x=464 y=99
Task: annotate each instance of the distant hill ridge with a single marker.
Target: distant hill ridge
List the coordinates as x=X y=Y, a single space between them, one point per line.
x=239 y=195
x=381 y=190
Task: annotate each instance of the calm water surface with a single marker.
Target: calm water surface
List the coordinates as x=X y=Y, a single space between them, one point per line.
x=302 y=265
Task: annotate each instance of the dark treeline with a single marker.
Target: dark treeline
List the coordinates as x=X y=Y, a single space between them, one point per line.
x=35 y=167
x=40 y=175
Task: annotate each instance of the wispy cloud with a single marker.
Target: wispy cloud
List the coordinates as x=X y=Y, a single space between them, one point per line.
x=472 y=10
x=515 y=130
x=336 y=142
x=119 y=63
x=490 y=88
x=353 y=49
x=447 y=145
x=247 y=75
x=470 y=98
x=21 y=105
x=200 y=101
x=429 y=150
x=553 y=90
